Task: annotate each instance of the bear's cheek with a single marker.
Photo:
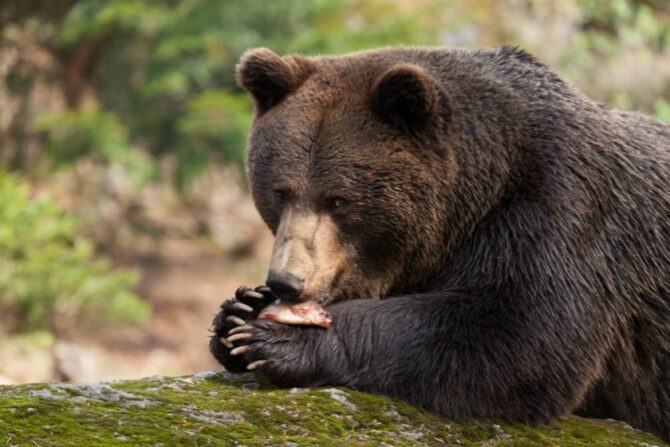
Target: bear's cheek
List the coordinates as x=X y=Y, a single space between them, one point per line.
x=376 y=246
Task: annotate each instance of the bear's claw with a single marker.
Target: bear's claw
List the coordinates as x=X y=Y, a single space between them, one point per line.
x=237 y=320
x=226 y=343
x=244 y=307
x=239 y=336
x=242 y=328
x=254 y=294
x=234 y=333
x=255 y=364
x=239 y=350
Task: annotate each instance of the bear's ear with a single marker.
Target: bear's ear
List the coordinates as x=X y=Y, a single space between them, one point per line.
x=405 y=97
x=268 y=77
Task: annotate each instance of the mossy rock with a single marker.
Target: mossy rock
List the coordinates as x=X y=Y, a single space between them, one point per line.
x=242 y=410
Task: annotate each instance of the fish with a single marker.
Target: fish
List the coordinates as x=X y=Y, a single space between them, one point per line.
x=308 y=313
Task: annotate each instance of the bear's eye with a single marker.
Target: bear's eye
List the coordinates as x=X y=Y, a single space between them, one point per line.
x=280 y=196
x=336 y=204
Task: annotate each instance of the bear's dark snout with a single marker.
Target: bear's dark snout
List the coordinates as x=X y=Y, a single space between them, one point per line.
x=285 y=285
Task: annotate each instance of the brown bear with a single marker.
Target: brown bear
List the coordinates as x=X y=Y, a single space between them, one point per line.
x=489 y=241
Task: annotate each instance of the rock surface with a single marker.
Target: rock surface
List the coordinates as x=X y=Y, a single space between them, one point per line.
x=241 y=410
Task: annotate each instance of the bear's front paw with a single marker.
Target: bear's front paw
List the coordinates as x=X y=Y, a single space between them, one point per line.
x=283 y=353
x=235 y=313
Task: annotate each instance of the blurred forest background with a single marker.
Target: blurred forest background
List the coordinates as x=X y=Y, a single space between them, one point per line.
x=124 y=214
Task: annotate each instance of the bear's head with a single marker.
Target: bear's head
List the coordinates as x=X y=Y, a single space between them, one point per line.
x=349 y=166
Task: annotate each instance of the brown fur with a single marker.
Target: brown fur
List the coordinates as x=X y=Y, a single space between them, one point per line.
x=518 y=233
x=308 y=246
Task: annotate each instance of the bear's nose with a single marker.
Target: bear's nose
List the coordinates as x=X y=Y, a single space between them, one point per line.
x=285 y=285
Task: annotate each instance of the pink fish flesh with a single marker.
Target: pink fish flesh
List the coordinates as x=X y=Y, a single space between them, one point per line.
x=308 y=313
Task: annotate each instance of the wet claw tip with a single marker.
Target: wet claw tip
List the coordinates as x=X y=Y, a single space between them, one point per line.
x=237 y=329
x=239 y=350
x=255 y=364
x=237 y=320
x=244 y=307
x=253 y=294
x=263 y=289
x=241 y=336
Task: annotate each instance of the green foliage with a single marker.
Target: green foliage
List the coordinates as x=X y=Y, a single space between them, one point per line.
x=662 y=109
x=97 y=134
x=165 y=73
x=619 y=37
x=162 y=71
x=49 y=278
x=215 y=123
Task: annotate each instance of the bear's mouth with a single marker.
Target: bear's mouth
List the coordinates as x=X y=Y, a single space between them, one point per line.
x=323 y=298
x=334 y=293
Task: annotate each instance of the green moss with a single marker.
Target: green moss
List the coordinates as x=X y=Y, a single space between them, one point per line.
x=226 y=409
